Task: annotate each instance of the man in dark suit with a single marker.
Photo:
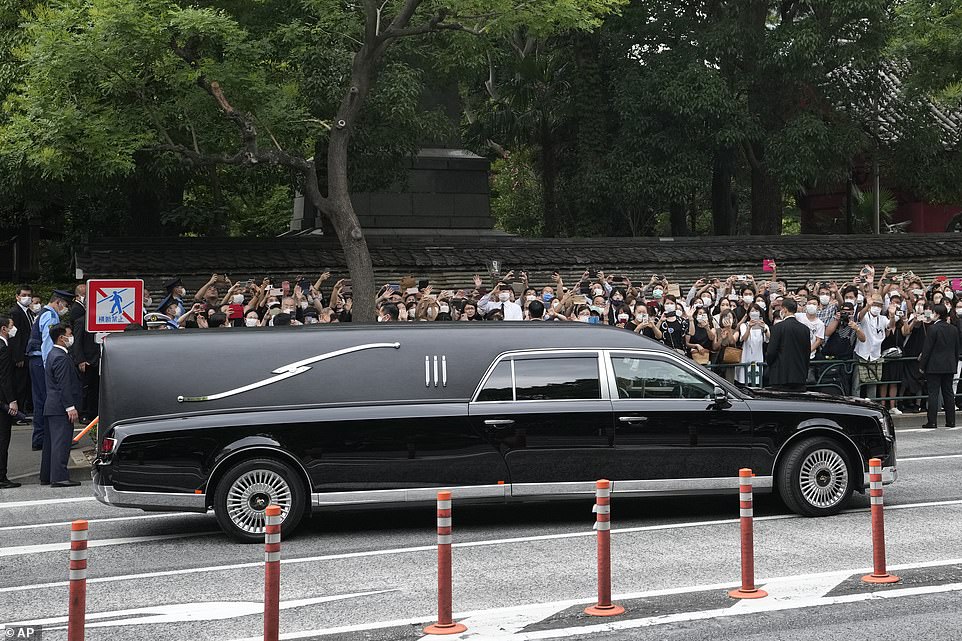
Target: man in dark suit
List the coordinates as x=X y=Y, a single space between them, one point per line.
x=23 y=318
x=788 y=351
x=938 y=360
x=64 y=393
x=7 y=332
x=86 y=355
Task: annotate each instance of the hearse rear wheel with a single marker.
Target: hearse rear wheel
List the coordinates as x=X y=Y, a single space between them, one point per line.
x=245 y=491
x=815 y=479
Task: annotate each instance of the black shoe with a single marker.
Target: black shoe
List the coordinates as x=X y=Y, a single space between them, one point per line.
x=65 y=484
x=950 y=425
x=7 y=484
x=930 y=427
x=36 y=449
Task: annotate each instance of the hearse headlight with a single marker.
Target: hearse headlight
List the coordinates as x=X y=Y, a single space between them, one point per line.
x=888 y=425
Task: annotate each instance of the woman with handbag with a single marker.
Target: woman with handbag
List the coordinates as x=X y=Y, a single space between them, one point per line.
x=701 y=341
x=725 y=345
x=753 y=334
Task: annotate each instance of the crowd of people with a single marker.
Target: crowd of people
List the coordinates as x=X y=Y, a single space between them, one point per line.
x=883 y=335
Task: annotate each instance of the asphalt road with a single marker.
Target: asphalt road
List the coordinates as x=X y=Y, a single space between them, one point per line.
x=521 y=572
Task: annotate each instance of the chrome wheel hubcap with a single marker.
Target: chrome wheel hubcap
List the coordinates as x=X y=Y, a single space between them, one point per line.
x=823 y=478
x=250 y=495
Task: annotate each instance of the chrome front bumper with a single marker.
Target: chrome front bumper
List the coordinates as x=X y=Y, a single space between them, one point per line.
x=151 y=501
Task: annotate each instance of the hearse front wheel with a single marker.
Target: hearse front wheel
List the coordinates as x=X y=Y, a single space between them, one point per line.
x=815 y=479
x=245 y=491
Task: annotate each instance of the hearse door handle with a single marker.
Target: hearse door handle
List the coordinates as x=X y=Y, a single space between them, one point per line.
x=632 y=419
x=499 y=423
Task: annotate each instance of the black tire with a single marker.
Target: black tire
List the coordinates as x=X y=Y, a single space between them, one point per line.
x=245 y=491
x=816 y=477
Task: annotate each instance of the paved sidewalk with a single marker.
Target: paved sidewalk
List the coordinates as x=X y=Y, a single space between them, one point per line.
x=23 y=463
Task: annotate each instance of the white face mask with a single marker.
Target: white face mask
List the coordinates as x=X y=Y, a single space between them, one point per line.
x=811 y=308
x=669 y=309
x=445 y=309
x=622 y=318
x=148 y=302
x=748 y=299
x=529 y=297
x=761 y=305
x=12 y=331
x=238 y=299
x=289 y=310
x=25 y=301
x=597 y=292
x=928 y=314
x=918 y=292
x=949 y=294
x=706 y=301
x=584 y=318
x=860 y=299
x=958 y=312
x=252 y=322
x=754 y=315
x=35 y=307
x=824 y=299
x=875 y=311
x=69 y=342
x=504 y=297
x=701 y=318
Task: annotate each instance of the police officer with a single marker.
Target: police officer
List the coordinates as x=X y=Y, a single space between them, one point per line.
x=38 y=347
x=175 y=294
x=63 y=396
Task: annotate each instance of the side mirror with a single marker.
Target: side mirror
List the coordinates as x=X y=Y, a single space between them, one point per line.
x=720 y=397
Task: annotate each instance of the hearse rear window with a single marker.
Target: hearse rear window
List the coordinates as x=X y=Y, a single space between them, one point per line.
x=551 y=379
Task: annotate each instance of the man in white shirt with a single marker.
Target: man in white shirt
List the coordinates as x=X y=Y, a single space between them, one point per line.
x=816 y=327
x=510 y=311
x=868 y=352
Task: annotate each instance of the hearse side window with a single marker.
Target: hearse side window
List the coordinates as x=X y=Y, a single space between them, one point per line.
x=544 y=379
x=498 y=385
x=650 y=378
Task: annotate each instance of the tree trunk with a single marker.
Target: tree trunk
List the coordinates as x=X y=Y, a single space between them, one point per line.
x=723 y=211
x=766 y=199
x=549 y=170
x=679 y=219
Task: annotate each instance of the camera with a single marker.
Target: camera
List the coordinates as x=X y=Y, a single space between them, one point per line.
x=844 y=320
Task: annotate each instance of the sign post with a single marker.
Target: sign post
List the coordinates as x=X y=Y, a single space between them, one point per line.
x=112 y=304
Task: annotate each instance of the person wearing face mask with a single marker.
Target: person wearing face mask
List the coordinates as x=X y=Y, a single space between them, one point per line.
x=914 y=329
x=7 y=331
x=86 y=355
x=752 y=334
x=809 y=318
x=744 y=303
x=38 y=349
x=643 y=324
x=675 y=328
x=726 y=336
x=175 y=294
x=841 y=335
x=23 y=318
x=827 y=303
x=955 y=319
x=251 y=319
x=868 y=353
x=703 y=336
x=939 y=360
x=510 y=311
x=788 y=351
x=63 y=397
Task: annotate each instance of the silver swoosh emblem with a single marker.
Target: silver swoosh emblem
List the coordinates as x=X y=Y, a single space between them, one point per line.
x=286 y=371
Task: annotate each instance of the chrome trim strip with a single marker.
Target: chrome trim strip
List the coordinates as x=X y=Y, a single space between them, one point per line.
x=107 y=495
x=545 y=489
x=890 y=475
x=435 y=370
x=514 y=384
x=444 y=370
x=410 y=495
x=690 y=485
x=286 y=371
x=427 y=371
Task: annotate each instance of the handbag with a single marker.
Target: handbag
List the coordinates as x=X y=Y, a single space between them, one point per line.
x=701 y=358
x=732 y=355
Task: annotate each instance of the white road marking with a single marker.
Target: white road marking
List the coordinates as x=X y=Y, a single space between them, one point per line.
x=76 y=499
x=18 y=550
x=778 y=585
x=65 y=524
x=432 y=548
x=929 y=458
x=185 y=612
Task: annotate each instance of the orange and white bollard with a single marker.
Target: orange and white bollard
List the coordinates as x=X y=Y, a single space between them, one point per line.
x=878 y=575
x=602 y=510
x=445 y=623
x=746 y=516
x=78 y=581
x=272 y=572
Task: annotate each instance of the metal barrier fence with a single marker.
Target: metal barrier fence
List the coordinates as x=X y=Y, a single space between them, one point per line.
x=840 y=377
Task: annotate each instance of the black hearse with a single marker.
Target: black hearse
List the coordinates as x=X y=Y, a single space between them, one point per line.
x=313 y=417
